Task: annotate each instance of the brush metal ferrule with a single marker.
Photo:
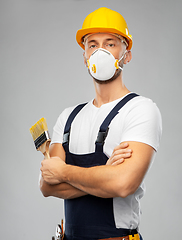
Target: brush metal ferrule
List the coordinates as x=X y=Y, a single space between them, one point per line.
x=42 y=139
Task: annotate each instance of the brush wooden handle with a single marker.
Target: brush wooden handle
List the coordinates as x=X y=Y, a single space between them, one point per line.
x=44 y=148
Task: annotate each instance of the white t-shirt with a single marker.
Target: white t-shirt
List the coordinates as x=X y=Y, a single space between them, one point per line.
x=139 y=120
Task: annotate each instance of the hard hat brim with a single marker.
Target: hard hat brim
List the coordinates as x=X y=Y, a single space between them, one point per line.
x=82 y=32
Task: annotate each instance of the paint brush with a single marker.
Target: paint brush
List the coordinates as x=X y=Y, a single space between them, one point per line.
x=41 y=137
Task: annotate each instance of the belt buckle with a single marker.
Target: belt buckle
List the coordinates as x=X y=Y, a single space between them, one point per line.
x=134 y=237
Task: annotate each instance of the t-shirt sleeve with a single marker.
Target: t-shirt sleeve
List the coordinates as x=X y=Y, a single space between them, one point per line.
x=58 y=130
x=143 y=124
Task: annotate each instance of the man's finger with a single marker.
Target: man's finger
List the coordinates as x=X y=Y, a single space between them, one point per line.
x=118 y=162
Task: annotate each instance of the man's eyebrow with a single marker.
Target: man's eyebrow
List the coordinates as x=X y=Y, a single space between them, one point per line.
x=94 y=41
x=108 y=39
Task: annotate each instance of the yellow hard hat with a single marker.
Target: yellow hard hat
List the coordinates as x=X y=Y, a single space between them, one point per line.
x=104 y=20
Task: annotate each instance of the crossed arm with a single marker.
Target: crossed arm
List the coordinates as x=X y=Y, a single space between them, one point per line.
x=111 y=180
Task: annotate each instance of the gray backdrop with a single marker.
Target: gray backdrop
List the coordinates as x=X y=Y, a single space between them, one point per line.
x=42 y=72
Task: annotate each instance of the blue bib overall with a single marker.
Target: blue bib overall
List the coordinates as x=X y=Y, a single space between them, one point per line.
x=91 y=217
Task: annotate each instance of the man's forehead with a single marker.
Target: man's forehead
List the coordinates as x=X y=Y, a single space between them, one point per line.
x=100 y=35
x=105 y=36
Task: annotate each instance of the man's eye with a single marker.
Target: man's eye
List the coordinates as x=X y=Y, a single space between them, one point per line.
x=110 y=45
x=92 y=46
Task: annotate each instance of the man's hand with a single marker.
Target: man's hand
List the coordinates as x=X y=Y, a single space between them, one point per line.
x=120 y=153
x=51 y=169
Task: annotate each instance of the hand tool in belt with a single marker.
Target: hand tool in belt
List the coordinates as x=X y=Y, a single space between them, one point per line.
x=59 y=232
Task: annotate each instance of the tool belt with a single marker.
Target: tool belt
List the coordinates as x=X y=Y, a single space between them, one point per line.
x=133 y=234
x=129 y=237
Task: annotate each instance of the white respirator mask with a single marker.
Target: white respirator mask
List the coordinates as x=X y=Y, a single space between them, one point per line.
x=103 y=65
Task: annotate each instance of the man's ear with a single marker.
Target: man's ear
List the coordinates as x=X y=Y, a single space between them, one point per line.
x=128 y=57
x=85 y=60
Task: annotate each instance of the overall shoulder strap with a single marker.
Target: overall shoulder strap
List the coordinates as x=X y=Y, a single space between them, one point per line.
x=104 y=128
x=69 y=122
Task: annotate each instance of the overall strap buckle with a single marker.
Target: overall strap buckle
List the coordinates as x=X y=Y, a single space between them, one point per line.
x=102 y=136
x=66 y=137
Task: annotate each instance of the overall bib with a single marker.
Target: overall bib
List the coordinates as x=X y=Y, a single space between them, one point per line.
x=91 y=217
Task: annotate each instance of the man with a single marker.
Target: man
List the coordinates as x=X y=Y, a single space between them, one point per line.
x=101 y=151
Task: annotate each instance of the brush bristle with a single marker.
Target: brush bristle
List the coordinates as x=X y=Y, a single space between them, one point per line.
x=39 y=128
